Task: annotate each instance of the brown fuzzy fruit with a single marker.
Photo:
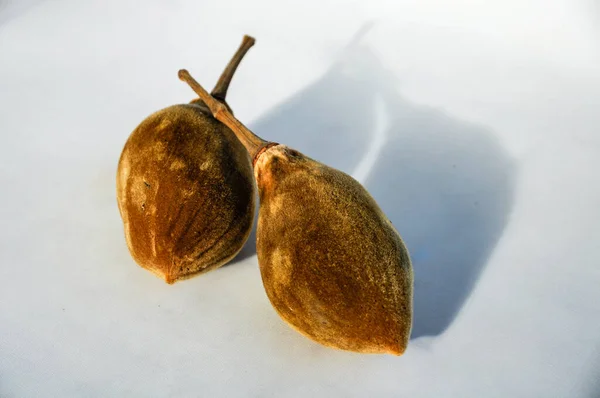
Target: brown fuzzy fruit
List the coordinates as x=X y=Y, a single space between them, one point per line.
x=185 y=188
x=332 y=264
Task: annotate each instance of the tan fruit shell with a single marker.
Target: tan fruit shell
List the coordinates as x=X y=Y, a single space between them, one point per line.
x=185 y=192
x=332 y=264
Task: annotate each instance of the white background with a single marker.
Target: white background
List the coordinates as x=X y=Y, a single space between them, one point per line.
x=475 y=124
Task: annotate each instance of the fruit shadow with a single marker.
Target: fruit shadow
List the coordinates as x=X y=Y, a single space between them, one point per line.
x=446 y=184
x=593 y=385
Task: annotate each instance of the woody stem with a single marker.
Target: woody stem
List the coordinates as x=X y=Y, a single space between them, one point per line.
x=220 y=90
x=251 y=141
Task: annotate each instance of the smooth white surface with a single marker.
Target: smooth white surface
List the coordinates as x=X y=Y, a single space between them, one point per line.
x=489 y=170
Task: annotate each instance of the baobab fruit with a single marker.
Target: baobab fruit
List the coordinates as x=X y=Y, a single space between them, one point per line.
x=185 y=188
x=332 y=264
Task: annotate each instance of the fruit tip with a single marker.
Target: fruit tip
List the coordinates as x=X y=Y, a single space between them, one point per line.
x=397 y=350
x=169 y=279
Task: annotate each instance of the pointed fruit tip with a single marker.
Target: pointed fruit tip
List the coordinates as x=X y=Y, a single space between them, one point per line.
x=397 y=350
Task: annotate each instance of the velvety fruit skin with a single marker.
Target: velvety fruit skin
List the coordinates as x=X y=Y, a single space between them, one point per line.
x=185 y=191
x=332 y=264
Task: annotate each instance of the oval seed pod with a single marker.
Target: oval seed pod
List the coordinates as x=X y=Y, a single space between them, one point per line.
x=332 y=264
x=185 y=188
